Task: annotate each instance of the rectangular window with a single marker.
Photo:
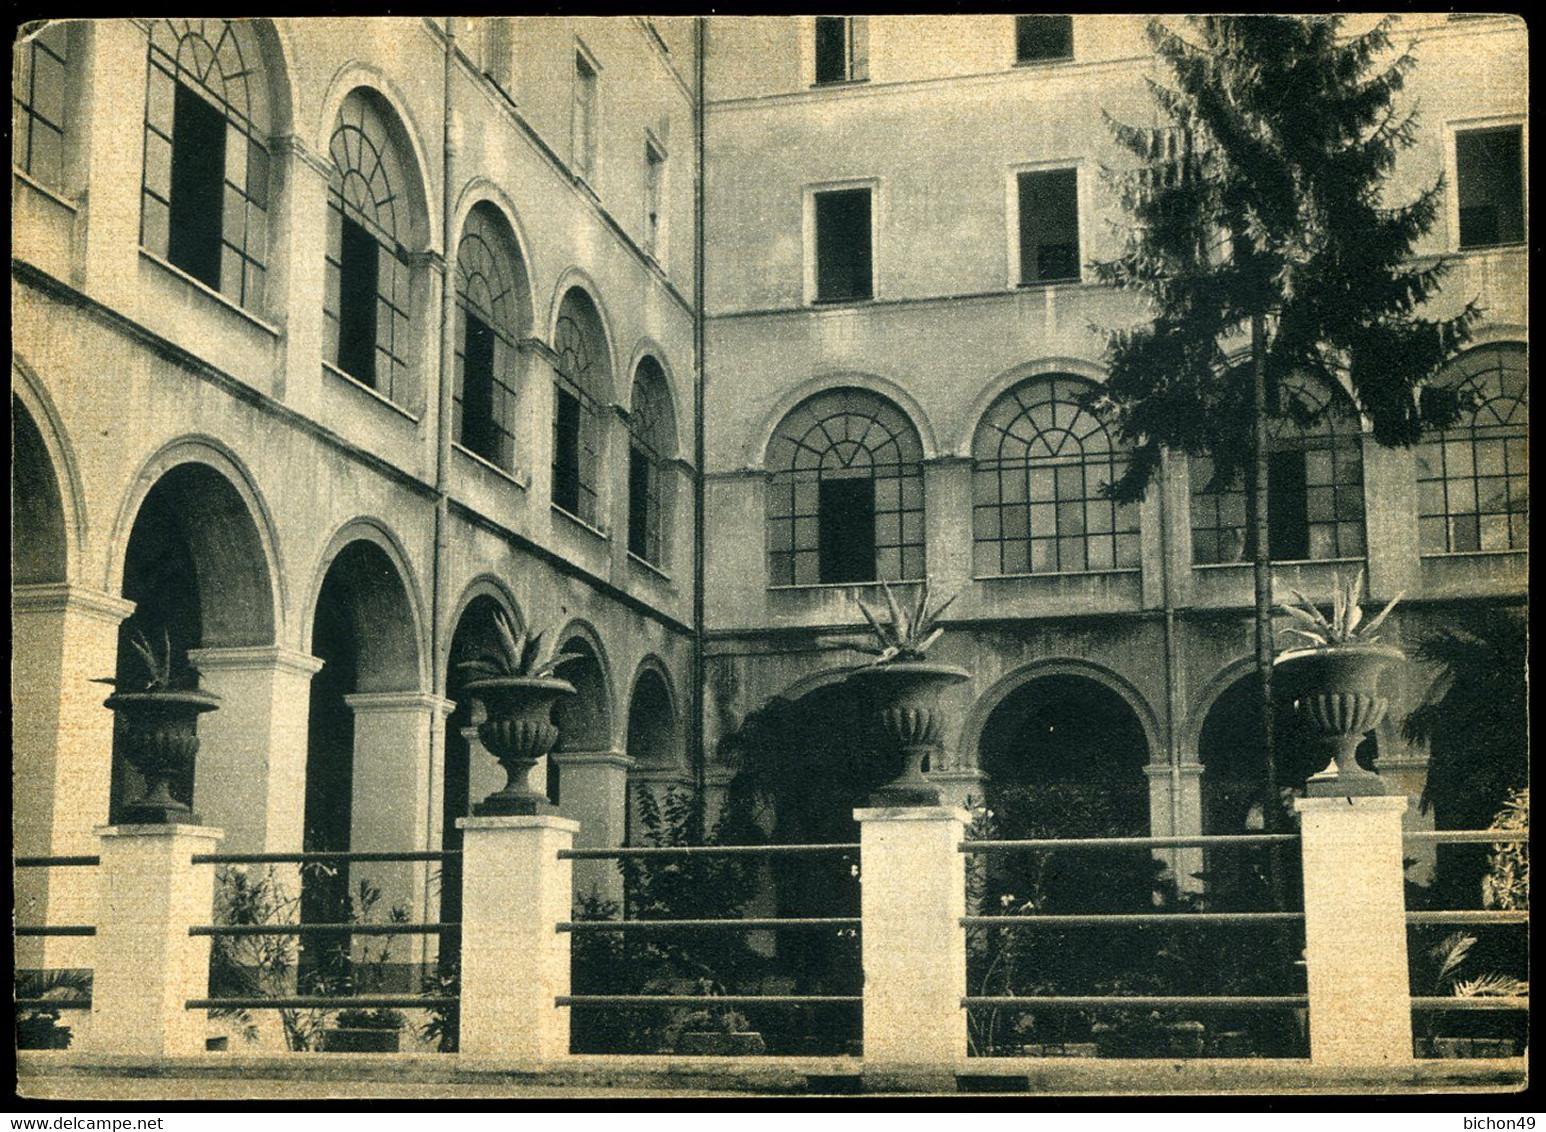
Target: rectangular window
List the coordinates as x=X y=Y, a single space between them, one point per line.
x=844 y=264
x=1049 y=226
x=480 y=432
x=499 y=51
x=358 y=281
x=584 y=116
x=846 y=530
x=566 y=452
x=1490 y=174
x=654 y=179
x=38 y=96
x=1040 y=38
x=198 y=184
x=842 y=49
x=639 y=496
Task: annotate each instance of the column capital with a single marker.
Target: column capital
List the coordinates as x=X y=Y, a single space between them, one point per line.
x=519 y=821
x=154 y=830
x=292 y=145
x=1165 y=770
x=1368 y=803
x=399 y=702
x=255 y=658
x=913 y=814
x=62 y=597
x=594 y=758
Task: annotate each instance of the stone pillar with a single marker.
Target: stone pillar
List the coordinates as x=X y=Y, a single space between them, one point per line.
x=593 y=790
x=146 y=964
x=113 y=126
x=1355 y=930
x=63 y=636
x=515 y=891
x=947 y=485
x=250 y=775
x=1407 y=773
x=297 y=271
x=1175 y=810
x=912 y=898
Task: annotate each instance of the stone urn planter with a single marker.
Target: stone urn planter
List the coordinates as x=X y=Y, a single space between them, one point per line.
x=161 y=738
x=518 y=731
x=902 y=698
x=1336 y=697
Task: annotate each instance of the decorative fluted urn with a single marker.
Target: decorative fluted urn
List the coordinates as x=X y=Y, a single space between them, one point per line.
x=160 y=732
x=1337 y=698
x=903 y=701
x=518 y=731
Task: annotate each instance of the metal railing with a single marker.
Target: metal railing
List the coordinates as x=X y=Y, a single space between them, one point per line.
x=55 y=931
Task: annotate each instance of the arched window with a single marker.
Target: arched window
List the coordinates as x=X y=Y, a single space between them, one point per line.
x=581 y=386
x=651 y=442
x=491 y=298
x=205 y=197
x=1314 y=485
x=1039 y=463
x=368 y=300
x=845 y=498
x=1473 y=480
x=40 y=81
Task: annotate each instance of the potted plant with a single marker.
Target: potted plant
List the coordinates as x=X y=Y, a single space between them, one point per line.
x=1335 y=684
x=903 y=690
x=518 y=691
x=160 y=727
x=364 y=1031
x=39 y=1026
x=715 y=1032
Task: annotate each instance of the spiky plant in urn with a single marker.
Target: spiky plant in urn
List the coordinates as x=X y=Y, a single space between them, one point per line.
x=518 y=689
x=159 y=726
x=903 y=688
x=1335 y=684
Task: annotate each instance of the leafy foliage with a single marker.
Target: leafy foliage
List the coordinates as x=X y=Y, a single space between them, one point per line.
x=39 y=1027
x=1346 y=626
x=514 y=653
x=157 y=663
x=1507 y=883
x=907 y=632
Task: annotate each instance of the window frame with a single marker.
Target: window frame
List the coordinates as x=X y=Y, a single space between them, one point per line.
x=1082 y=190
x=66 y=187
x=485 y=235
x=656 y=171
x=590 y=432
x=810 y=193
x=586 y=74
x=1456 y=126
x=852 y=32
x=1014 y=43
x=651 y=429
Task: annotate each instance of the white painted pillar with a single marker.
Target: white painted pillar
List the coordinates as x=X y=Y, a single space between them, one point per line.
x=146 y=964
x=250 y=775
x=593 y=790
x=1175 y=810
x=63 y=636
x=912 y=898
x=1355 y=930
x=515 y=891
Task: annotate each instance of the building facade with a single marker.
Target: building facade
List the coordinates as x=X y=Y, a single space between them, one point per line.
x=331 y=337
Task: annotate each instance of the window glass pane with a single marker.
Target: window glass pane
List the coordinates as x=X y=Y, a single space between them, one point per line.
x=1049 y=226
x=831 y=49
x=843 y=256
x=1490 y=186
x=1043 y=37
x=357 y=303
x=198 y=186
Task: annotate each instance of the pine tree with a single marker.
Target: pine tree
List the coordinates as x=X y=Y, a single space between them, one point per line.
x=1256 y=218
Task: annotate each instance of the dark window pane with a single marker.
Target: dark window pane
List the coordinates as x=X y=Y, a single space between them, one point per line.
x=1049 y=225
x=843 y=262
x=358 y=275
x=638 y=503
x=1043 y=37
x=847 y=521
x=1491 y=186
x=198 y=182
x=1288 y=526
x=566 y=452
x=831 y=49
x=479 y=430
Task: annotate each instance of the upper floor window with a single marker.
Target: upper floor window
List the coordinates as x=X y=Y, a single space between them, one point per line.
x=654 y=194
x=1041 y=38
x=1473 y=480
x=1039 y=464
x=845 y=265
x=842 y=49
x=40 y=75
x=585 y=110
x=1489 y=171
x=581 y=387
x=491 y=301
x=204 y=204
x=651 y=442
x=368 y=298
x=845 y=497
x=1049 y=225
x=499 y=51
x=1315 y=504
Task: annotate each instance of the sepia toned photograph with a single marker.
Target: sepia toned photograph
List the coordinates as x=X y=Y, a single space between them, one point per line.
x=580 y=559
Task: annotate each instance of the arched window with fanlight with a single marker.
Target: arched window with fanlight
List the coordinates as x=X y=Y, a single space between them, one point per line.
x=1473 y=479
x=582 y=382
x=1039 y=465
x=492 y=298
x=651 y=443
x=205 y=192
x=1315 y=501
x=368 y=299
x=845 y=493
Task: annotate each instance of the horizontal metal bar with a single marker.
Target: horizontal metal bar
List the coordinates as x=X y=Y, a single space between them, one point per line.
x=320 y=929
x=1142 y=1002
x=53 y=1003
x=1474 y=916
x=1096 y=920
x=319 y=858
x=692 y=850
x=326 y=1002
x=1468 y=836
x=708 y=1000
x=56 y=862
x=56 y=929
x=1204 y=841
x=1478 y=1003
x=694 y=925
